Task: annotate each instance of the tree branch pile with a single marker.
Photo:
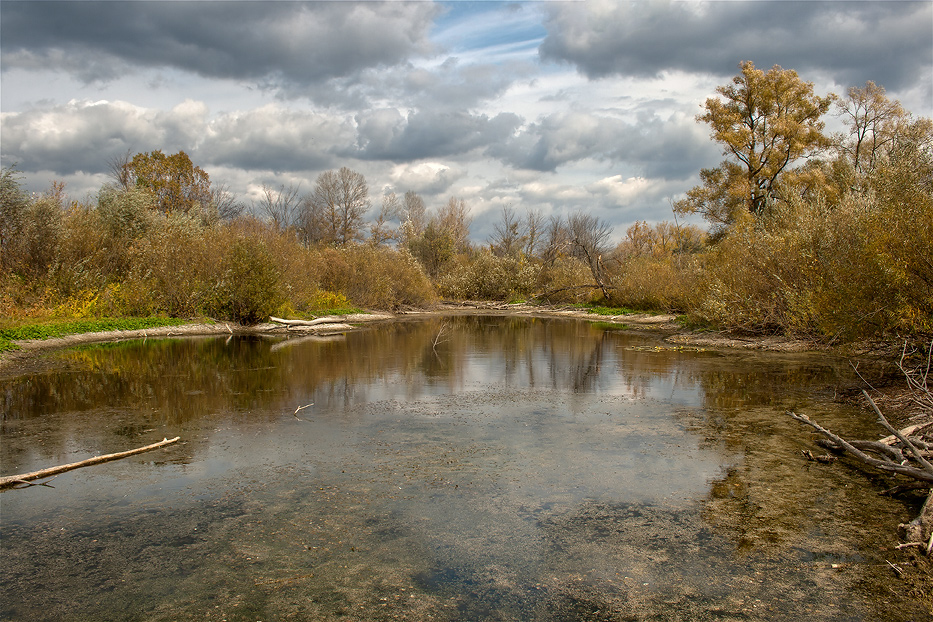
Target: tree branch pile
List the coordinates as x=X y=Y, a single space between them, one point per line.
x=907 y=452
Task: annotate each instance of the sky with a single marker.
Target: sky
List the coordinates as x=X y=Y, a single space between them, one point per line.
x=556 y=107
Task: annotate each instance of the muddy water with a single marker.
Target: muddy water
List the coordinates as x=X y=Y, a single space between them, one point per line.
x=480 y=468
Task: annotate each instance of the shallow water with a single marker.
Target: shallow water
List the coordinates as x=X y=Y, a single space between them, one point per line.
x=468 y=468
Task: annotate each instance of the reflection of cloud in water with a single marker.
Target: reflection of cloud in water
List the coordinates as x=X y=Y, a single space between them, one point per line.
x=519 y=469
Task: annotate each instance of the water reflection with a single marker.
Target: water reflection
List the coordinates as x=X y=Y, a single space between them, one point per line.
x=456 y=468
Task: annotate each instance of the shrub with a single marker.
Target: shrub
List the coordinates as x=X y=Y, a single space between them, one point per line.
x=561 y=281
x=656 y=283
x=178 y=261
x=857 y=270
x=485 y=276
x=375 y=277
x=248 y=291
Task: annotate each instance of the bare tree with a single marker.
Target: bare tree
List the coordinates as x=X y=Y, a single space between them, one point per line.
x=280 y=206
x=589 y=238
x=534 y=231
x=454 y=218
x=337 y=206
x=510 y=235
x=380 y=231
x=414 y=218
x=873 y=122
x=226 y=204
x=119 y=169
x=556 y=240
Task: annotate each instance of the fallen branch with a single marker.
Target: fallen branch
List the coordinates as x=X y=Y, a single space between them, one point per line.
x=901 y=456
x=879 y=463
x=331 y=319
x=15 y=481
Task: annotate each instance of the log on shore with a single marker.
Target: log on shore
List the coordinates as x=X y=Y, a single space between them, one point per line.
x=318 y=321
x=14 y=481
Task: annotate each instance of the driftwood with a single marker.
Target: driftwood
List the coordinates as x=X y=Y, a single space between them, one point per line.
x=321 y=320
x=16 y=481
x=898 y=454
x=328 y=324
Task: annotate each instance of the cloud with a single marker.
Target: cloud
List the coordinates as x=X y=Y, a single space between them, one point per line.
x=387 y=135
x=270 y=42
x=84 y=135
x=888 y=42
x=426 y=178
x=673 y=147
x=276 y=138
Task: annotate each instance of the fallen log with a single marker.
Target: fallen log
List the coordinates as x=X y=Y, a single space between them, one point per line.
x=333 y=319
x=14 y=481
x=879 y=463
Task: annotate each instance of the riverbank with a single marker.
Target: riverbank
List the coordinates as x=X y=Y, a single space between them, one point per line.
x=665 y=324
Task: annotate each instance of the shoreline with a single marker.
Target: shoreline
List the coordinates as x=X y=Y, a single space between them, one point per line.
x=667 y=324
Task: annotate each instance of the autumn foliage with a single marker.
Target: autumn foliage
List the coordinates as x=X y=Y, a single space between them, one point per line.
x=828 y=237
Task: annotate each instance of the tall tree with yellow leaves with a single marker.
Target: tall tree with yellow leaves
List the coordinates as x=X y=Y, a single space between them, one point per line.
x=766 y=123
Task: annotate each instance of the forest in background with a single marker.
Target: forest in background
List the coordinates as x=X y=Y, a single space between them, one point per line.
x=811 y=234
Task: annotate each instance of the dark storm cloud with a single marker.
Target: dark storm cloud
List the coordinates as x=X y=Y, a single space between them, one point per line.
x=890 y=43
x=268 y=42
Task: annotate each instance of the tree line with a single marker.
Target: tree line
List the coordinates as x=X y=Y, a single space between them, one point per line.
x=809 y=233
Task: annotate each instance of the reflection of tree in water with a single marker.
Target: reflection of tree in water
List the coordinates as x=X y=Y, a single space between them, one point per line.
x=113 y=395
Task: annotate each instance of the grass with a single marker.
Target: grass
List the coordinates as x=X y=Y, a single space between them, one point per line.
x=62 y=328
x=599 y=310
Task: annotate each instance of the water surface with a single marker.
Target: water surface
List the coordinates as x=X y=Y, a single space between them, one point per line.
x=469 y=468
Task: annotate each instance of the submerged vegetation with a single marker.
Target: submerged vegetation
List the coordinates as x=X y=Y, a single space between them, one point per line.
x=828 y=237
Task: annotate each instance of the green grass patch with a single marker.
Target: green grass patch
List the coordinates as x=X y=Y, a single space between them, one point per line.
x=52 y=329
x=598 y=310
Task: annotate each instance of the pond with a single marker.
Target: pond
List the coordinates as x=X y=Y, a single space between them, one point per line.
x=451 y=468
